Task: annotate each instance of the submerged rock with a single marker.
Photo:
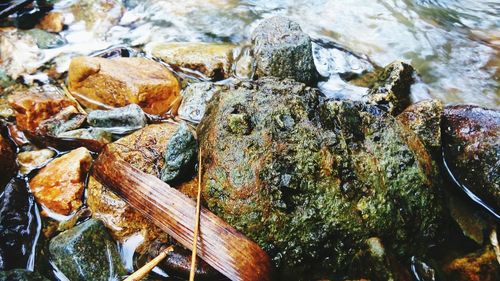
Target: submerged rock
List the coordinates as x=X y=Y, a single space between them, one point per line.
x=391 y=89
x=7 y=161
x=180 y=155
x=100 y=83
x=283 y=50
x=97 y=134
x=480 y=266
x=130 y=116
x=195 y=98
x=18 y=226
x=46 y=40
x=59 y=186
x=213 y=60
x=87 y=252
x=52 y=22
x=471 y=144
x=19 y=54
x=31 y=160
x=21 y=275
x=310 y=182
x=67 y=119
x=98 y=15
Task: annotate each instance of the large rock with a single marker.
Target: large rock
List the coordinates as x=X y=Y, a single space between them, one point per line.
x=310 y=182
x=59 y=186
x=283 y=50
x=213 y=60
x=471 y=144
x=100 y=83
x=87 y=252
x=7 y=161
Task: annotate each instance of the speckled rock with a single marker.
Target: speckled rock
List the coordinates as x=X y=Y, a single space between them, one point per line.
x=283 y=50
x=194 y=100
x=391 y=89
x=7 y=160
x=180 y=156
x=46 y=40
x=31 y=160
x=21 y=275
x=87 y=252
x=130 y=116
x=69 y=118
x=311 y=181
x=480 y=266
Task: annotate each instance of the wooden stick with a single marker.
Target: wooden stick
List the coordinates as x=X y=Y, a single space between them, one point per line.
x=144 y=270
x=197 y=222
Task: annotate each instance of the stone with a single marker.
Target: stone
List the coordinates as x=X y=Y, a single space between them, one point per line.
x=19 y=53
x=194 y=100
x=97 y=134
x=98 y=15
x=244 y=66
x=87 y=252
x=69 y=118
x=212 y=60
x=100 y=83
x=283 y=50
x=21 y=275
x=31 y=160
x=311 y=180
x=180 y=156
x=424 y=118
x=480 y=266
x=52 y=22
x=392 y=88
x=59 y=185
x=46 y=40
x=7 y=161
x=130 y=116
x=471 y=145
x=36 y=105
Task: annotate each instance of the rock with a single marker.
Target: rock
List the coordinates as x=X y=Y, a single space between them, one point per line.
x=31 y=160
x=212 y=60
x=471 y=145
x=7 y=161
x=52 y=22
x=424 y=118
x=98 y=15
x=194 y=99
x=59 y=186
x=479 y=266
x=19 y=53
x=18 y=226
x=97 y=134
x=46 y=40
x=130 y=116
x=21 y=275
x=310 y=181
x=37 y=104
x=391 y=90
x=245 y=64
x=180 y=156
x=87 y=252
x=69 y=118
x=100 y=83
x=283 y=50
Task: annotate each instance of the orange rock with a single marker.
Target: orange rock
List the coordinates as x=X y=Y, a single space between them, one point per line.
x=36 y=105
x=52 y=22
x=100 y=83
x=480 y=266
x=59 y=186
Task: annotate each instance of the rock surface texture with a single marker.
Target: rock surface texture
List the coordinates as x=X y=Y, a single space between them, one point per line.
x=7 y=161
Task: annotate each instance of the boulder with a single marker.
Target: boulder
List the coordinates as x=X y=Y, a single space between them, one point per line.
x=480 y=266
x=180 y=156
x=31 y=160
x=194 y=99
x=130 y=116
x=59 y=185
x=212 y=60
x=7 y=161
x=100 y=83
x=21 y=275
x=311 y=181
x=87 y=252
x=392 y=87
x=471 y=145
x=283 y=50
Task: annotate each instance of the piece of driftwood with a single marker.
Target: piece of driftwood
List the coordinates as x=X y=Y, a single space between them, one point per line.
x=219 y=244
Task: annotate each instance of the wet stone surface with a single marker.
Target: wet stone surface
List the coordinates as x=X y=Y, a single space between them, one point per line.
x=130 y=116
x=195 y=98
x=180 y=155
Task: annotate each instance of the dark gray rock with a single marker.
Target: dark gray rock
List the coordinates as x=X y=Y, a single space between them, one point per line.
x=130 y=116
x=21 y=275
x=87 y=252
x=283 y=50
x=180 y=155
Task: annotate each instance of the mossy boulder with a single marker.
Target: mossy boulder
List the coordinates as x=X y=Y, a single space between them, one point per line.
x=311 y=180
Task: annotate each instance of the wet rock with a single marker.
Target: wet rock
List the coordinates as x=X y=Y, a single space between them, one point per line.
x=7 y=161
x=19 y=53
x=21 y=275
x=31 y=160
x=480 y=266
x=283 y=50
x=180 y=155
x=46 y=40
x=100 y=83
x=59 y=186
x=52 y=22
x=87 y=252
x=18 y=226
x=471 y=144
x=424 y=118
x=69 y=118
x=97 y=134
x=391 y=90
x=310 y=181
x=130 y=116
x=245 y=64
x=212 y=60
x=98 y=15
x=194 y=99
x=37 y=104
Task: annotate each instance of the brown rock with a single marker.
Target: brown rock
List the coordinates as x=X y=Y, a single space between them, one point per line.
x=480 y=266
x=7 y=160
x=100 y=83
x=30 y=160
x=37 y=104
x=52 y=22
x=59 y=186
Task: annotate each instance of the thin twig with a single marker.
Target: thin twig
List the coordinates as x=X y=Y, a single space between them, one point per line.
x=197 y=222
x=143 y=271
